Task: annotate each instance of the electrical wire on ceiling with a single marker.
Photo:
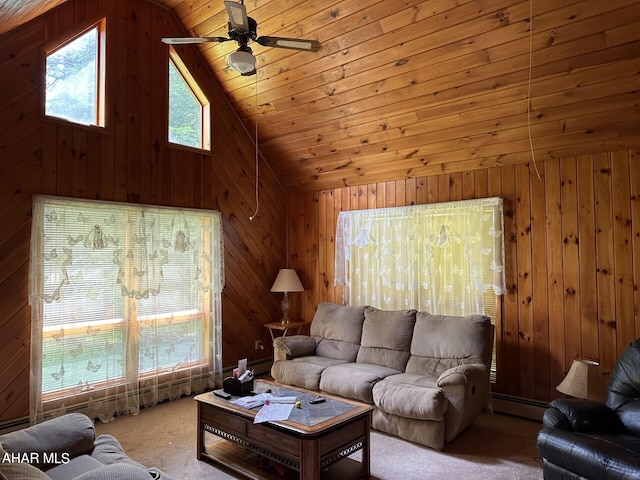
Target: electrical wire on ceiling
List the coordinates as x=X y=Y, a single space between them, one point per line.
x=533 y=155
x=257 y=155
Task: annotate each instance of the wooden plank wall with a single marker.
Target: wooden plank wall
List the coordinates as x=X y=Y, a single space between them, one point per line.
x=572 y=239
x=131 y=161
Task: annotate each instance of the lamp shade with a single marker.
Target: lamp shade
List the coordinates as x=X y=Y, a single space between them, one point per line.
x=583 y=381
x=287 y=281
x=242 y=61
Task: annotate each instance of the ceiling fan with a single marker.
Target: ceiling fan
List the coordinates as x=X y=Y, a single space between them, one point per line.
x=242 y=29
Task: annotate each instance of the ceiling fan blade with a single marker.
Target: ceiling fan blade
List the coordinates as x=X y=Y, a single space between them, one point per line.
x=237 y=15
x=293 y=43
x=190 y=40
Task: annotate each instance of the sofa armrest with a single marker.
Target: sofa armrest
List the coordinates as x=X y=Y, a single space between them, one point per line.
x=467 y=389
x=286 y=348
x=71 y=434
x=462 y=374
x=581 y=416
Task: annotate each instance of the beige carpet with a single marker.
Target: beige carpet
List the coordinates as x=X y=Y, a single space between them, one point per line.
x=495 y=447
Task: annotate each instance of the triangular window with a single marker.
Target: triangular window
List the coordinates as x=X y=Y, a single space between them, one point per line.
x=189 y=122
x=74 y=78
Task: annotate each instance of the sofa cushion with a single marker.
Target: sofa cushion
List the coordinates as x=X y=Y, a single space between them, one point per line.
x=354 y=380
x=72 y=434
x=74 y=468
x=303 y=371
x=410 y=396
x=337 y=330
x=108 y=450
x=441 y=342
x=419 y=380
x=386 y=337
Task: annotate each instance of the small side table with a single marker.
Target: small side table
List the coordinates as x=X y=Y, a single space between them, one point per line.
x=284 y=327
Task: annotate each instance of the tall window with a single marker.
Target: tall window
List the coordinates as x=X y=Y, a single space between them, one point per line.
x=125 y=305
x=445 y=258
x=189 y=122
x=74 y=78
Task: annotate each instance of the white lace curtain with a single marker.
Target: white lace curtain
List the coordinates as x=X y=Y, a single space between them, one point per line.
x=443 y=258
x=126 y=308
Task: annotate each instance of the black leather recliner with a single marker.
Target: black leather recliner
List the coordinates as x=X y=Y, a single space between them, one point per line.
x=581 y=439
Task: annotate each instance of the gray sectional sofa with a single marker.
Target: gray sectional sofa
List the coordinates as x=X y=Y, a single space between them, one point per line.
x=426 y=375
x=66 y=448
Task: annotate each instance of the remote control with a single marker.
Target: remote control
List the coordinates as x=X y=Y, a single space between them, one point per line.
x=316 y=400
x=222 y=394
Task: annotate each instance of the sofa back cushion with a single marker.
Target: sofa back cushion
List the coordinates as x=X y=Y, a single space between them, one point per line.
x=337 y=330
x=623 y=392
x=624 y=383
x=441 y=342
x=386 y=337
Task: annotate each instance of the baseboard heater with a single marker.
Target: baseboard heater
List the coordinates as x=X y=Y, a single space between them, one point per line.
x=260 y=367
x=518 y=407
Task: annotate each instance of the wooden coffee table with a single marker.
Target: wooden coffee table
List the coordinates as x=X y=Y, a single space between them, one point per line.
x=315 y=441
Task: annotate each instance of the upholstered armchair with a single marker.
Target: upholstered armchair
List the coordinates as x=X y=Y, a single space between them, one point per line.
x=66 y=448
x=586 y=440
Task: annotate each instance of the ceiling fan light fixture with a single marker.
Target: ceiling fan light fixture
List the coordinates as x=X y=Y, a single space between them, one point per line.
x=242 y=29
x=242 y=60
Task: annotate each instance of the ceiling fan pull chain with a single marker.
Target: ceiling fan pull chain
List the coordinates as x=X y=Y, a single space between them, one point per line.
x=533 y=155
x=257 y=154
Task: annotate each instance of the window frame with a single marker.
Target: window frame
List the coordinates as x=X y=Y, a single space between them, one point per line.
x=52 y=47
x=198 y=93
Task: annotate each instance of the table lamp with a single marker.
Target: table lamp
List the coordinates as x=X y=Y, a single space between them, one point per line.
x=286 y=281
x=583 y=381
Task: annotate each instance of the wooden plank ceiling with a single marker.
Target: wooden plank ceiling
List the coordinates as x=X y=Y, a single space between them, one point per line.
x=408 y=88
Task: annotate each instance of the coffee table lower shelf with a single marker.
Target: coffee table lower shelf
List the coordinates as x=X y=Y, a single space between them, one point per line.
x=227 y=455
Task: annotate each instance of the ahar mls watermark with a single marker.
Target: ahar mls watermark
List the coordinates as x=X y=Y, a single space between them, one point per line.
x=51 y=458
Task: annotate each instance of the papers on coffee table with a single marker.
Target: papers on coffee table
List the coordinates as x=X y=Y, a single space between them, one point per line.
x=273 y=407
x=251 y=401
x=273 y=411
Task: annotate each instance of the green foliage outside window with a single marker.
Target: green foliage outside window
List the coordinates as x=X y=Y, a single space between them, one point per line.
x=185 y=111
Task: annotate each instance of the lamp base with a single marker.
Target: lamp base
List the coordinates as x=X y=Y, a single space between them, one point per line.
x=284 y=305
